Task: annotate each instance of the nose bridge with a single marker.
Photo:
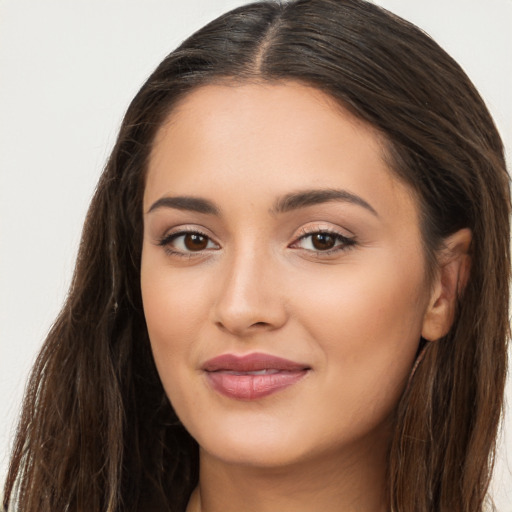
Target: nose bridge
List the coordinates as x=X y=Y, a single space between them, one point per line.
x=248 y=295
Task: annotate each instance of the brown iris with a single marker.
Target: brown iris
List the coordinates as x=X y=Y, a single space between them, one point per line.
x=195 y=241
x=323 y=241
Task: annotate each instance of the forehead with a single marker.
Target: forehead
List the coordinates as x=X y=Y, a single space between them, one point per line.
x=268 y=139
x=267 y=109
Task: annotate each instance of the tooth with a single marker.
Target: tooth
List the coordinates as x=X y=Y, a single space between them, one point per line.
x=255 y=372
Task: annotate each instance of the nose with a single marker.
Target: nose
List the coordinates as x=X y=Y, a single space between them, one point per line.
x=250 y=297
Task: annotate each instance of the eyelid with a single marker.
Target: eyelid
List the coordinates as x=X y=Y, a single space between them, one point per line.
x=175 y=233
x=348 y=242
x=322 y=227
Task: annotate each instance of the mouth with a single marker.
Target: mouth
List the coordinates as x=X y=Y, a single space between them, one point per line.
x=252 y=376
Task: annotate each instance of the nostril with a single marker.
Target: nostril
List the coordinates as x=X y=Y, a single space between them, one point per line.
x=260 y=324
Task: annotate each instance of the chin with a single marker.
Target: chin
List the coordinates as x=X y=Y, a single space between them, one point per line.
x=264 y=454
x=263 y=444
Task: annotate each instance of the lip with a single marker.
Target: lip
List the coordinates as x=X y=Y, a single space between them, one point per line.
x=233 y=376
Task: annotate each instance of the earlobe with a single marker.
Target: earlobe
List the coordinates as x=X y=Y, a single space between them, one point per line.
x=454 y=264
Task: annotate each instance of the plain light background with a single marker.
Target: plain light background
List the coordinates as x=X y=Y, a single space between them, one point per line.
x=67 y=73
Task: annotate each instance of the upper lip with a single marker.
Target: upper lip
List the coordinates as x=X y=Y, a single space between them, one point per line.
x=251 y=363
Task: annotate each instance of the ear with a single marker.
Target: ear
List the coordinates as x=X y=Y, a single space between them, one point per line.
x=452 y=274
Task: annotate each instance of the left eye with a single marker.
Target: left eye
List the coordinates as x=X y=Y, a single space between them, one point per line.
x=190 y=242
x=323 y=241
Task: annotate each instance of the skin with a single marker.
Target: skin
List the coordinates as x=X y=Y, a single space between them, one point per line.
x=355 y=316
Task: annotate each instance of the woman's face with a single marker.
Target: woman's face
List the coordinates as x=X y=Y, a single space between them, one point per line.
x=283 y=277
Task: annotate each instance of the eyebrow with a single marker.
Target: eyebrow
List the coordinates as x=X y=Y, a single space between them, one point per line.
x=286 y=203
x=305 y=198
x=193 y=204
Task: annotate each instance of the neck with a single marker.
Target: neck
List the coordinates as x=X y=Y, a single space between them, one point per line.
x=349 y=481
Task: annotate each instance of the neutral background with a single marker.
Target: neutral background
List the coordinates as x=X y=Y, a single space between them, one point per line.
x=67 y=73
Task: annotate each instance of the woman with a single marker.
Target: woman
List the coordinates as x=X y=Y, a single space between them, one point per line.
x=300 y=241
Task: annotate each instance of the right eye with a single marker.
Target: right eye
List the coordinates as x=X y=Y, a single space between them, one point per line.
x=187 y=242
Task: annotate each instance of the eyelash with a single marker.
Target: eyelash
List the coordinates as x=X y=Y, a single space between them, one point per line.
x=166 y=241
x=344 y=244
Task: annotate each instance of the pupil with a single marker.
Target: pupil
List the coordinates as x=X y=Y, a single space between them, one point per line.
x=195 y=242
x=323 y=241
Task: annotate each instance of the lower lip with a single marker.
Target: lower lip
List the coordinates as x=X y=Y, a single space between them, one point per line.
x=253 y=387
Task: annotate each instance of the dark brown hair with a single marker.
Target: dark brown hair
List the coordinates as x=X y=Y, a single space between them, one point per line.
x=97 y=431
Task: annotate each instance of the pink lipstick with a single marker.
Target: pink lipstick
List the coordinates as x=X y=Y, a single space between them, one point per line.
x=252 y=376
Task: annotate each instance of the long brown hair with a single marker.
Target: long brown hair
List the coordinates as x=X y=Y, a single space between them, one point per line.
x=97 y=431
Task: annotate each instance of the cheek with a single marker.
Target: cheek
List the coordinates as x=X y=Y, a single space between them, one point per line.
x=367 y=322
x=173 y=299
x=174 y=304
